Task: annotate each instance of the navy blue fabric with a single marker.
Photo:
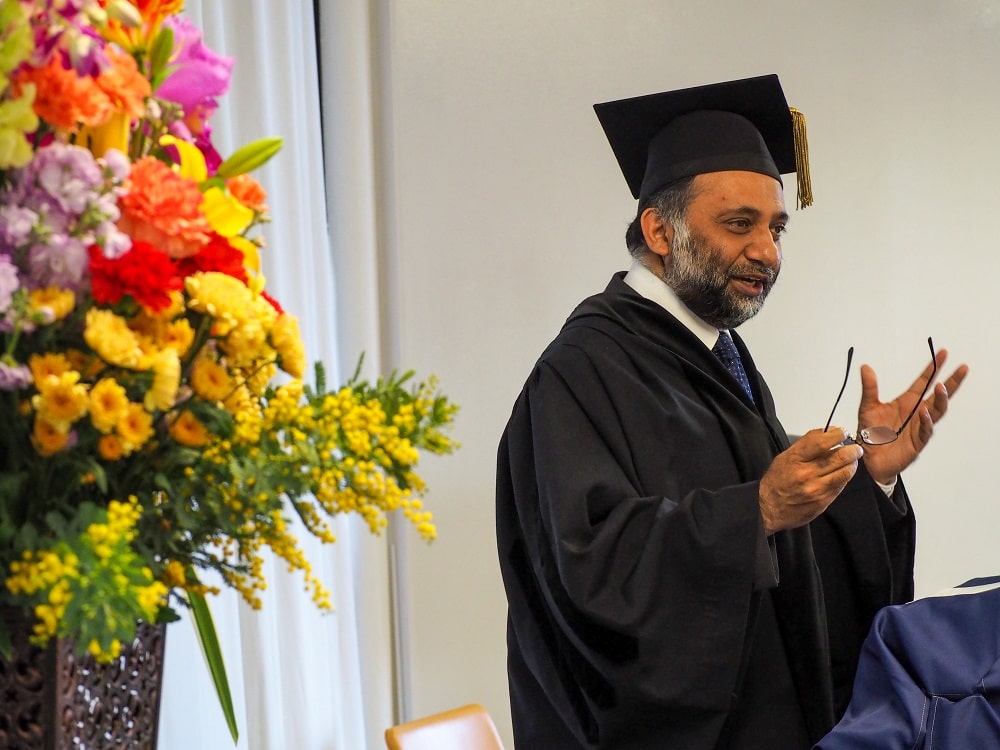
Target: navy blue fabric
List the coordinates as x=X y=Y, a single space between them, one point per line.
x=929 y=676
x=726 y=351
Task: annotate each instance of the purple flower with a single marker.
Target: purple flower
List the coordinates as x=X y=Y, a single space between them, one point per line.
x=68 y=174
x=9 y=283
x=116 y=164
x=16 y=226
x=62 y=262
x=201 y=75
x=113 y=242
x=58 y=205
x=14 y=377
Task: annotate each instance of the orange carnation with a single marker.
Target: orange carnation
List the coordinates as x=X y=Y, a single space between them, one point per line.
x=67 y=100
x=124 y=86
x=63 y=99
x=164 y=209
x=248 y=191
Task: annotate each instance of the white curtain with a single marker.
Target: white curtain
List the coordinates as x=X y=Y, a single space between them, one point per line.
x=301 y=679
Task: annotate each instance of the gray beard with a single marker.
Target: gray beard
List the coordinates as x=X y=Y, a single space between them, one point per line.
x=697 y=273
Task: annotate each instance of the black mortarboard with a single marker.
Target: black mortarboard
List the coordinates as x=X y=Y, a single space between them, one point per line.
x=736 y=125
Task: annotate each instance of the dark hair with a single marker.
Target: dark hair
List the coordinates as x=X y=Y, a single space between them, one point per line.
x=670 y=202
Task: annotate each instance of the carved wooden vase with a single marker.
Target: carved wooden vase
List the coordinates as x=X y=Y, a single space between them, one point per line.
x=51 y=699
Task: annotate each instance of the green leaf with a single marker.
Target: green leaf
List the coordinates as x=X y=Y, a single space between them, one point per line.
x=247 y=158
x=159 y=54
x=100 y=476
x=209 y=640
x=6 y=645
x=11 y=484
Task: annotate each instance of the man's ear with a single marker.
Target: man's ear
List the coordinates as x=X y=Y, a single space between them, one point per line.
x=659 y=234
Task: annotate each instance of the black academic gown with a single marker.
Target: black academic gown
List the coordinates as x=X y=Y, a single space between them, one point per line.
x=646 y=607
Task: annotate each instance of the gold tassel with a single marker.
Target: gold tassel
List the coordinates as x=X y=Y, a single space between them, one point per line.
x=803 y=180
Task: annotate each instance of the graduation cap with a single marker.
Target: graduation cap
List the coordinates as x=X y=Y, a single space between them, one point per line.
x=737 y=125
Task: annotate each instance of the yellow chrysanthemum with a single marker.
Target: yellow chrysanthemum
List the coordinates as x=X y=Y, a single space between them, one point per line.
x=166 y=381
x=108 y=404
x=178 y=335
x=187 y=430
x=287 y=341
x=112 y=339
x=61 y=399
x=176 y=306
x=224 y=298
x=211 y=380
x=110 y=448
x=43 y=365
x=135 y=429
x=246 y=343
x=56 y=301
x=47 y=439
x=149 y=348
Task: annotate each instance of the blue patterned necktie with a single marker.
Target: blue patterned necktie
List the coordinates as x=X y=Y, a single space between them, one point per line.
x=725 y=350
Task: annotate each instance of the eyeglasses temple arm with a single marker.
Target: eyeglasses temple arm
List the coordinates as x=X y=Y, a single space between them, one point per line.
x=927 y=385
x=847 y=374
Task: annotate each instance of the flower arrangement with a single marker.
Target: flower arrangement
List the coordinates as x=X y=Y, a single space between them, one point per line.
x=146 y=437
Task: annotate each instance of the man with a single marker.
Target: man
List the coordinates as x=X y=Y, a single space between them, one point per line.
x=678 y=574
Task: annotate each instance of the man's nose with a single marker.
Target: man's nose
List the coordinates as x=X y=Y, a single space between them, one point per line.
x=764 y=247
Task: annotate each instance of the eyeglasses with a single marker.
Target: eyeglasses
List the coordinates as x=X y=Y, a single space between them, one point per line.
x=883 y=435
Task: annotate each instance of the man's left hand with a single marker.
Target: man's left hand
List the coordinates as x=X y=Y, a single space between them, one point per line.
x=885 y=462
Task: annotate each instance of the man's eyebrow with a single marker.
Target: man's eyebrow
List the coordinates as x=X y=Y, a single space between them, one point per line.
x=754 y=213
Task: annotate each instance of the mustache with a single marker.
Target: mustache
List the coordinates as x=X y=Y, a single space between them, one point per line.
x=754 y=267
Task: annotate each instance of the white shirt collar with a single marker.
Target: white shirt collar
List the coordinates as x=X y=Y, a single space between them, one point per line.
x=650 y=286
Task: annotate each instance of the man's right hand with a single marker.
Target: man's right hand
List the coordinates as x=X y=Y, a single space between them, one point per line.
x=803 y=480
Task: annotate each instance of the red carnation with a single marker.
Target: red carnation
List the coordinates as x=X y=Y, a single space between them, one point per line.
x=144 y=273
x=217 y=255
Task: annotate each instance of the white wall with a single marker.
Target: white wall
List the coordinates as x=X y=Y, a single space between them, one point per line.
x=508 y=208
